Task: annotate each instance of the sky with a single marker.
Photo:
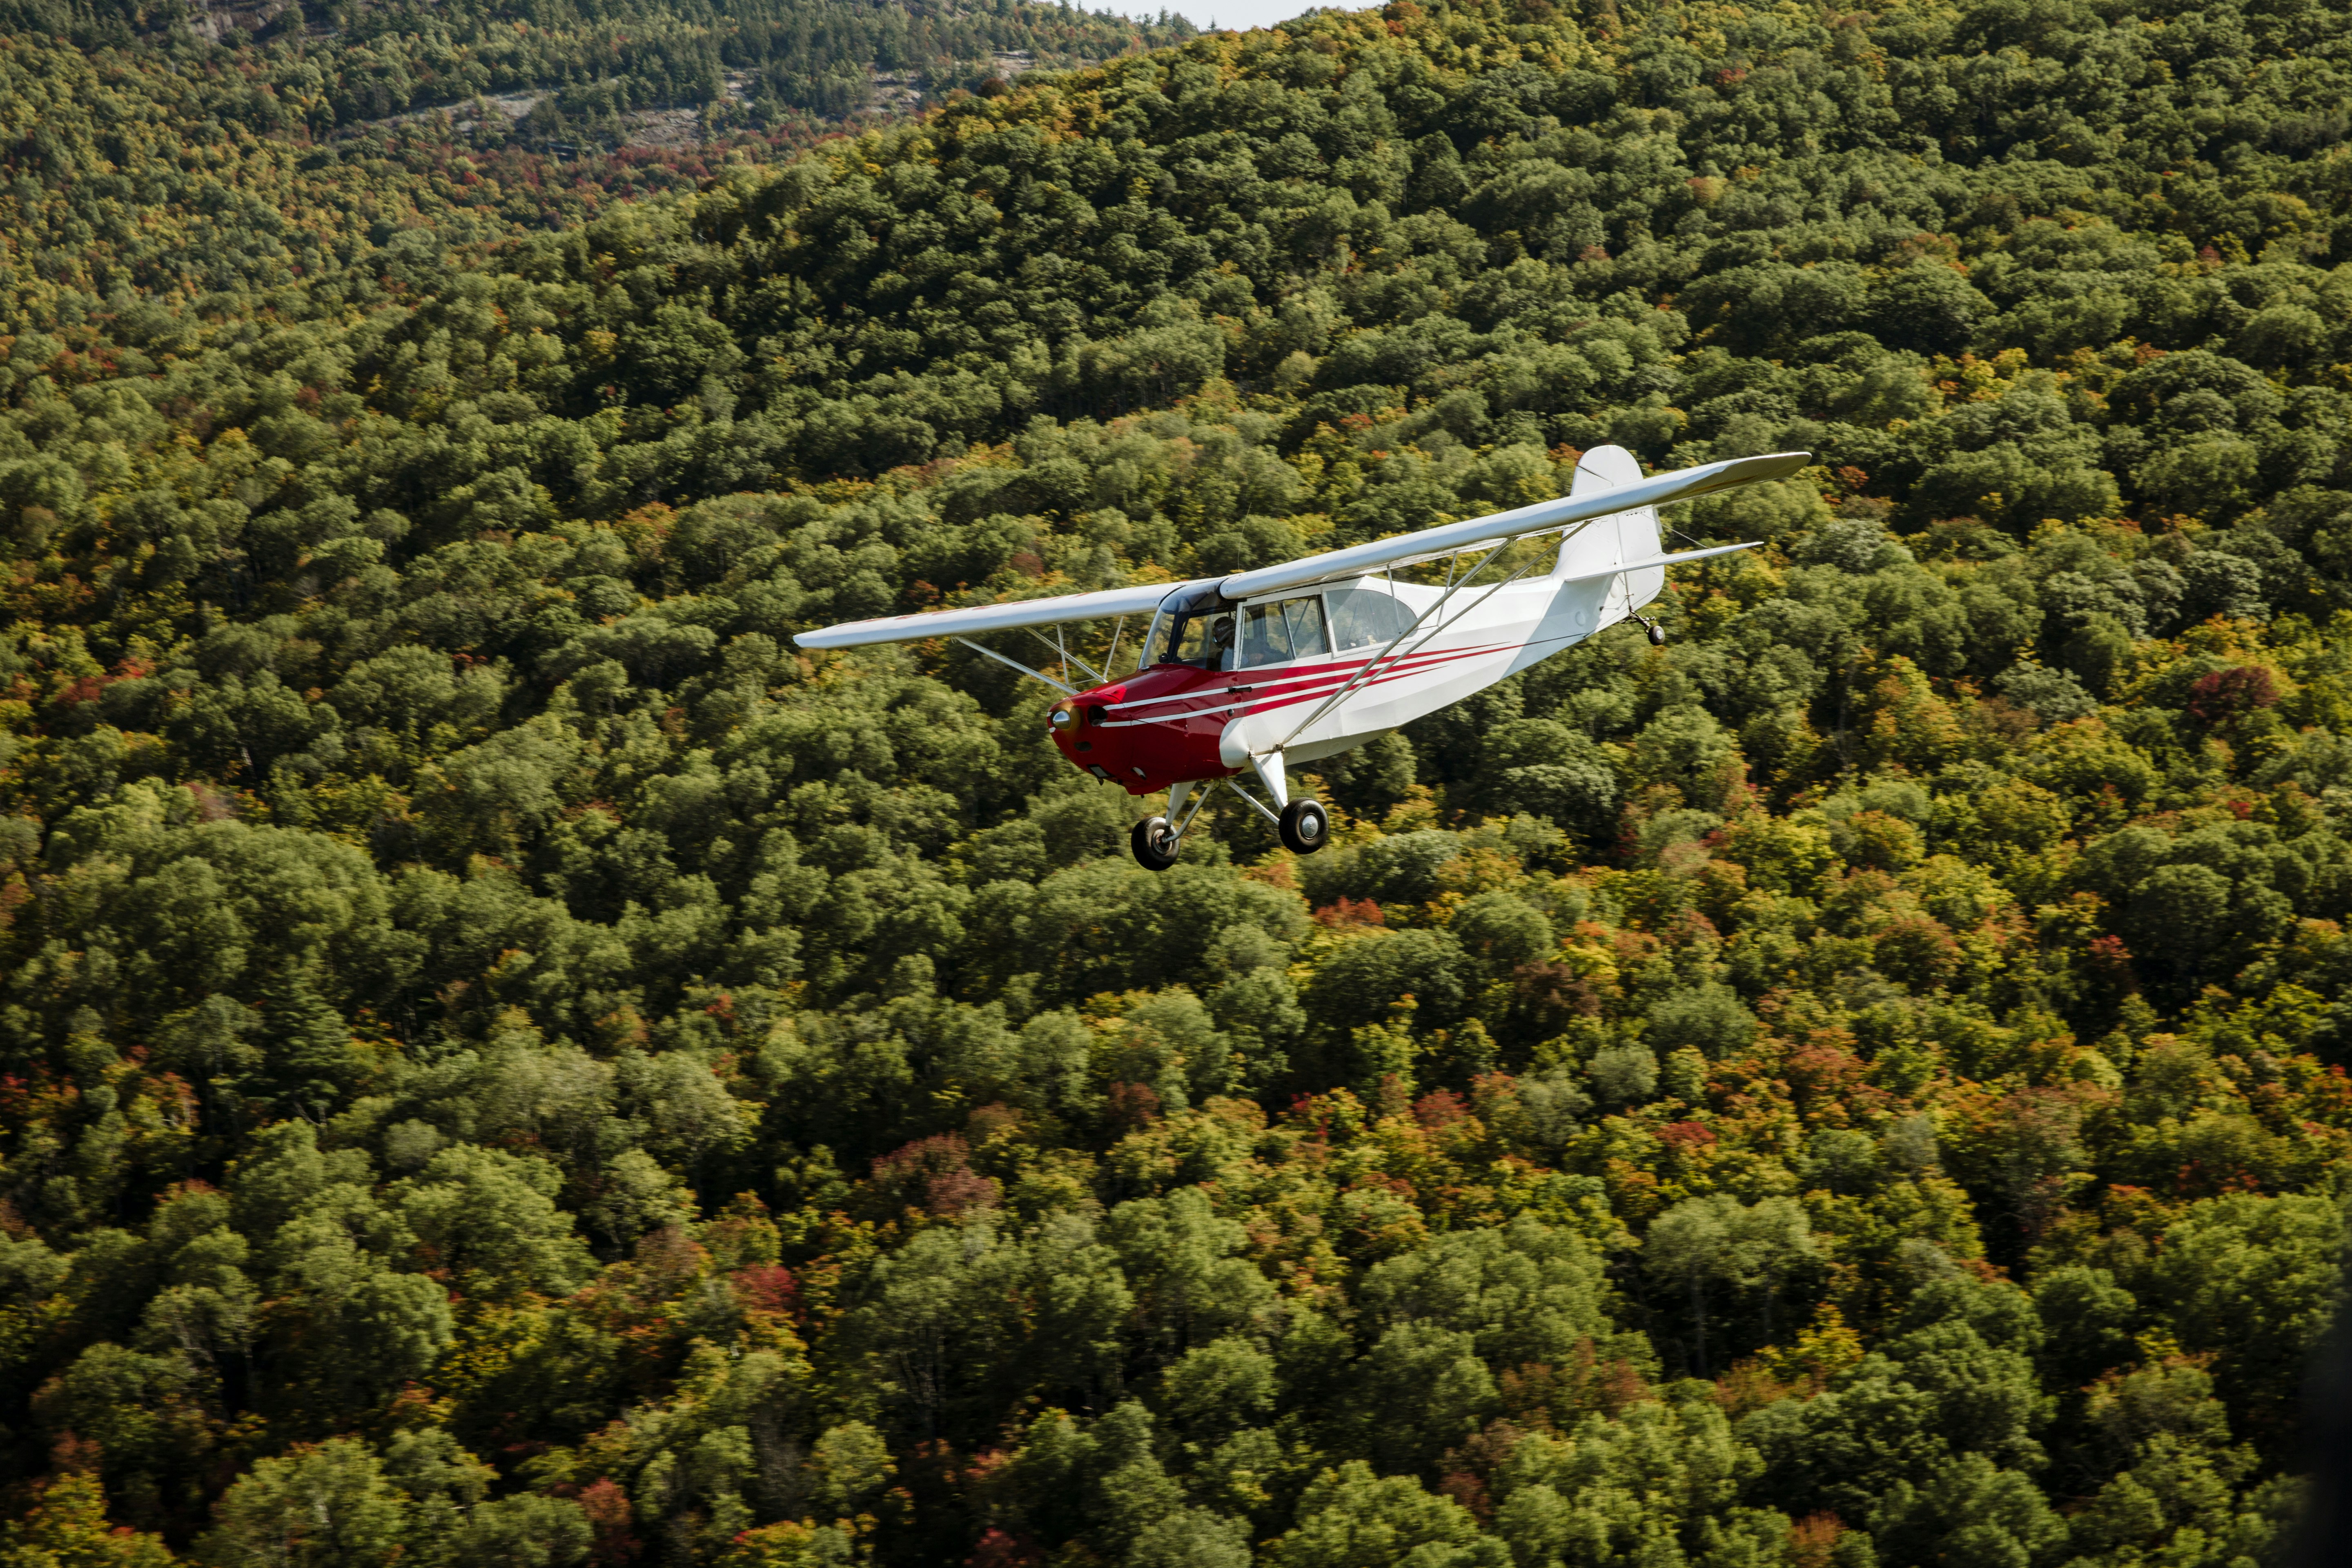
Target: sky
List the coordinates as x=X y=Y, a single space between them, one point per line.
x=1249 y=13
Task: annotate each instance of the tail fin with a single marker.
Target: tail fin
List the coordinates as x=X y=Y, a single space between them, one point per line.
x=1624 y=536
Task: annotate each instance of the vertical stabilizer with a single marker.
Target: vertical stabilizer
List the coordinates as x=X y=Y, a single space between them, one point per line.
x=1623 y=536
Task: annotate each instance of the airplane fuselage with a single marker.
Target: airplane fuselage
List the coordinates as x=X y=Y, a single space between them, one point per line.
x=1189 y=720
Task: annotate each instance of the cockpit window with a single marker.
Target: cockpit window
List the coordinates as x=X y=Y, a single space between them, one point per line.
x=1362 y=617
x=1202 y=637
x=1282 y=631
x=1206 y=632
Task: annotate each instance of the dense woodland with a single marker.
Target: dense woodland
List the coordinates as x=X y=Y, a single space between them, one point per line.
x=143 y=160
x=324 y=64
x=504 y=1061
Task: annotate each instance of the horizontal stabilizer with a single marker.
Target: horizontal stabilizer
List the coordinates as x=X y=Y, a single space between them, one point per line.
x=1648 y=561
x=1047 y=611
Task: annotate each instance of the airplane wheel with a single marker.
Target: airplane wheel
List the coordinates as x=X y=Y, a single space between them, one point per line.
x=1155 y=848
x=1305 y=826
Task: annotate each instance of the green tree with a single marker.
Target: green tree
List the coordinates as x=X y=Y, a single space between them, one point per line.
x=1720 y=1241
x=327 y=1503
x=1350 y=1515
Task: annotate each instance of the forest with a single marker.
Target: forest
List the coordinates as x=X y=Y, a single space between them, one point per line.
x=505 y=1060
x=155 y=155
x=324 y=64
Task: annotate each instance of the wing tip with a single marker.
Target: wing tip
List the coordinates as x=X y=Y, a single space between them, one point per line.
x=859 y=634
x=836 y=636
x=1004 y=615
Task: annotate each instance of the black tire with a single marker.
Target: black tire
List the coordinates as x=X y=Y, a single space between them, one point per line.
x=1305 y=826
x=1155 y=849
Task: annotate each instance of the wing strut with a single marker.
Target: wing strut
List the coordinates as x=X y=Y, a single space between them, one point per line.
x=1067 y=657
x=1069 y=690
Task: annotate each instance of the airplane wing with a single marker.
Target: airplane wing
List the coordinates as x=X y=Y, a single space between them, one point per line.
x=1354 y=562
x=1045 y=612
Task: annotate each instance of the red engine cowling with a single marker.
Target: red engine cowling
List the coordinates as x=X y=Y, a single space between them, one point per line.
x=1160 y=727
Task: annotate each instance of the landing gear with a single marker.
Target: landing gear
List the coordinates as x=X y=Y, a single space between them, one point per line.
x=1657 y=633
x=1305 y=827
x=1304 y=824
x=1154 y=843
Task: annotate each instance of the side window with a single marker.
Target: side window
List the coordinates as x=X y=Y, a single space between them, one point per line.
x=1265 y=635
x=1363 y=616
x=1287 y=629
x=1305 y=616
x=1217 y=651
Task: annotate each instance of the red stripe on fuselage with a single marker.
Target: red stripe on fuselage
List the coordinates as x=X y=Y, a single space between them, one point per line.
x=1295 y=685
x=1396 y=672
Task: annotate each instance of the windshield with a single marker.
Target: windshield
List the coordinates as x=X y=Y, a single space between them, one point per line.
x=1202 y=637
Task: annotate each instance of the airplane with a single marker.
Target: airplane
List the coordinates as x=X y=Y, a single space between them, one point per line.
x=1267 y=669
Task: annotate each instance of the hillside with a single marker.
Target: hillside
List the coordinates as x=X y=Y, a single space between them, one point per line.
x=175 y=152
x=508 y=1062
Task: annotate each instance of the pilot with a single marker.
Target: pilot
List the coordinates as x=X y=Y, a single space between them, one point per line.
x=1221 y=643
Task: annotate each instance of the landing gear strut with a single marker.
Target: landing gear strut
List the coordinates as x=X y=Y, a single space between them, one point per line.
x=1304 y=826
x=1157 y=839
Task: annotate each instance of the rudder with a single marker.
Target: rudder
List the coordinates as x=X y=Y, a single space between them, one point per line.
x=1623 y=536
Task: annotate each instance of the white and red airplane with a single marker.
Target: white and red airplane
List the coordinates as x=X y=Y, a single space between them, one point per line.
x=1265 y=669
